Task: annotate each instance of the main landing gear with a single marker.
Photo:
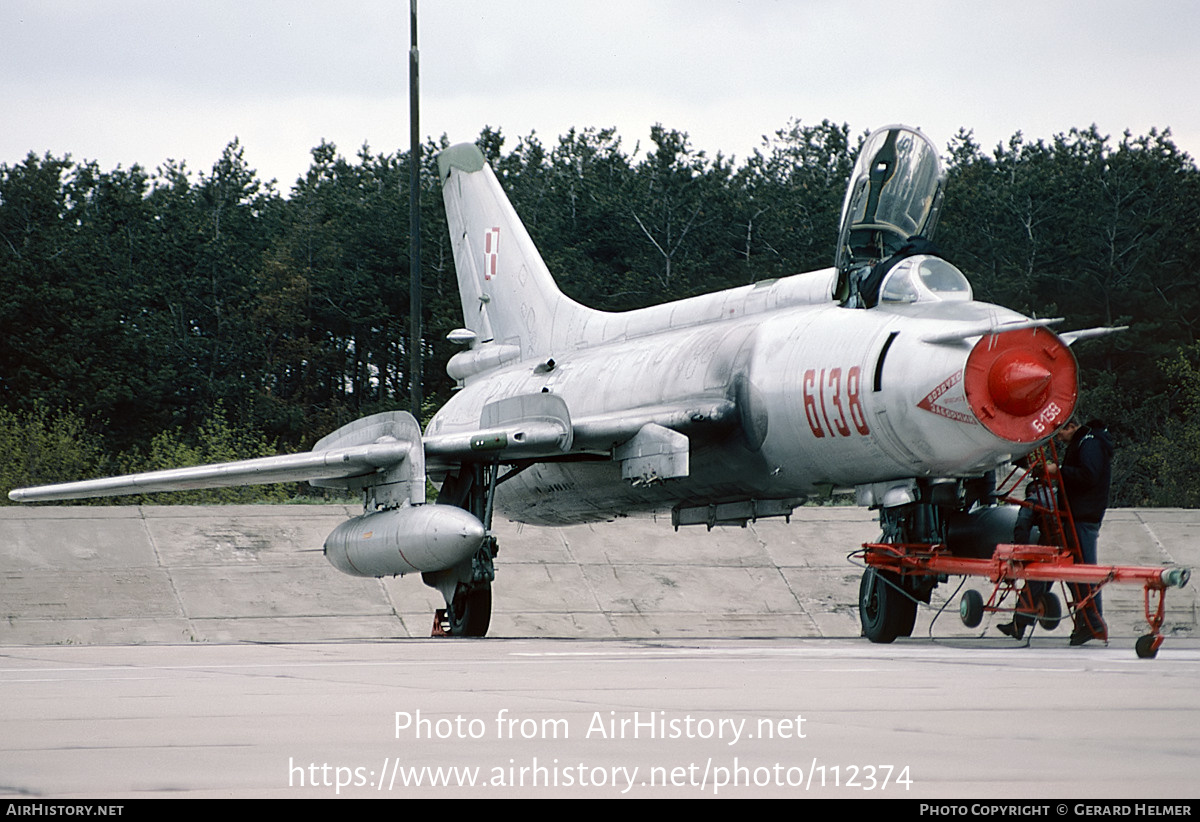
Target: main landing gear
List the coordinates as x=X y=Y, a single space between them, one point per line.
x=469 y=612
x=467 y=587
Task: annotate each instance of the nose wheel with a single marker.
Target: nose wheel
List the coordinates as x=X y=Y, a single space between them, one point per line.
x=885 y=609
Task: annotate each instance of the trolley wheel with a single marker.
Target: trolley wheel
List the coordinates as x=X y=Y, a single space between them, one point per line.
x=1147 y=646
x=1049 y=610
x=970 y=609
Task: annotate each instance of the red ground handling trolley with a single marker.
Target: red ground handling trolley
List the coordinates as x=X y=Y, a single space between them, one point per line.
x=1058 y=560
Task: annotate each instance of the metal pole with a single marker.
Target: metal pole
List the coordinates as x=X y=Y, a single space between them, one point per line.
x=414 y=220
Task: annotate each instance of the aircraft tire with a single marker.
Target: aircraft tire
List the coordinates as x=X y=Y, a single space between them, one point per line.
x=904 y=612
x=1049 y=611
x=883 y=608
x=471 y=612
x=970 y=609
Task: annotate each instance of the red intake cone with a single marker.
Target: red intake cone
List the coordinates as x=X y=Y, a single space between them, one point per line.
x=1018 y=382
x=1021 y=384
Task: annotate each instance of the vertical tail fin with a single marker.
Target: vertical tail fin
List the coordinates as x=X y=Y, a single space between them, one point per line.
x=508 y=295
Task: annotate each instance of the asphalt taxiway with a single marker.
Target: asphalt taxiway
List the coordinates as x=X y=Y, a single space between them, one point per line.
x=586 y=718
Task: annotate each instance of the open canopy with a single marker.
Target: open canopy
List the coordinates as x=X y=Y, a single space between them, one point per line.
x=895 y=194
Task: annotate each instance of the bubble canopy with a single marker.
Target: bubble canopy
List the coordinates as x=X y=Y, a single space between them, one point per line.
x=923 y=278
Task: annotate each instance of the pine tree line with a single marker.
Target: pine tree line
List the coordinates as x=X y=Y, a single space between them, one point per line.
x=154 y=318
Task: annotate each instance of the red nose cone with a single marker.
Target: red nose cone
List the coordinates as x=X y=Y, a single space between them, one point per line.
x=1018 y=382
x=1021 y=384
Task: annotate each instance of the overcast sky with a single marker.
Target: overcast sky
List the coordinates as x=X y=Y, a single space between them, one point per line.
x=141 y=81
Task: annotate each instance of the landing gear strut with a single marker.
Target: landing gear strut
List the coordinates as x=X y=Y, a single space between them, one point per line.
x=887 y=601
x=467 y=587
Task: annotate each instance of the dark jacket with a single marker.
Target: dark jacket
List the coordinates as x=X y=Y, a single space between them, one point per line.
x=1087 y=473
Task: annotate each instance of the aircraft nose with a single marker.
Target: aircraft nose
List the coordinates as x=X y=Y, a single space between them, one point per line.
x=1021 y=384
x=1017 y=382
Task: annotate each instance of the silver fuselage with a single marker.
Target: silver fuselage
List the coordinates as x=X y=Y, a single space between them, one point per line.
x=812 y=402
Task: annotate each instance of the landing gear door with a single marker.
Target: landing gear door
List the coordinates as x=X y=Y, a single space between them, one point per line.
x=895 y=193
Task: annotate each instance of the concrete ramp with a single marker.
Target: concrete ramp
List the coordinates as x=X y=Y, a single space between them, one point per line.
x=171 y=574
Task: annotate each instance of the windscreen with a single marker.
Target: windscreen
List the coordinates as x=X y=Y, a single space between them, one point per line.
x=895 y=194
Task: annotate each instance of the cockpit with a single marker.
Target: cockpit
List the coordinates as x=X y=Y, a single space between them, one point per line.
x=885 y=249
x=924 y=278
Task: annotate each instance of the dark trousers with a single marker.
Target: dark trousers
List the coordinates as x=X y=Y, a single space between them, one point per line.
x=1088 y=618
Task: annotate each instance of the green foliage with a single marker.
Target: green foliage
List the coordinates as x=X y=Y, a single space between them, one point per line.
x=792 y=192
x=39 y=447
x=214 y=441
x=1165 y=467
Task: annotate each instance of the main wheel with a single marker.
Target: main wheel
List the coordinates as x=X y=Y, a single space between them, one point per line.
x=1049 y=610
x=470 y=613
x=884 y=609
